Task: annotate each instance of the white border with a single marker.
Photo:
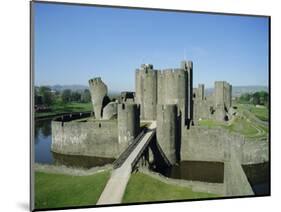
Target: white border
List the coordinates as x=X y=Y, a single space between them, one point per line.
x=14 y=54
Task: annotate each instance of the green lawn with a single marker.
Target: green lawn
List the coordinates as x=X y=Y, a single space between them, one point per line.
x=261 y=113
x=211 y=123
x=58 y=108
x=243 y=126
x=143 y=188
x=240 y=125
x=57 y=190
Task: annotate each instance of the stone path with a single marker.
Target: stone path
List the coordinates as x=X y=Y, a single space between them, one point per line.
x=116 y=185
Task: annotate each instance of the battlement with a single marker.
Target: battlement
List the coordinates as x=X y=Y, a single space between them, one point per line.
x=186 y=64
x=148 y=72
x=95 y=80
x=146 y=66
x=175 y=72
x=127 y=107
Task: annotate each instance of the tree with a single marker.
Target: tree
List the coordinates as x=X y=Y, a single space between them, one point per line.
x=66 y=96
x=256 y=98
x=245 y=98
x=47 y=96
x=75 y=96
x=86 y=96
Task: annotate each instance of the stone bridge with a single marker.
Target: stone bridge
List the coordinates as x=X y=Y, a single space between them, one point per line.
x=125 y=165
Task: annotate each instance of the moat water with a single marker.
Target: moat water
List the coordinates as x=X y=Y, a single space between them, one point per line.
x=195 y=170
x=258 y=174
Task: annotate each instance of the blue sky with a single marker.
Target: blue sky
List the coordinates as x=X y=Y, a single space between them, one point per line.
x=76 y=43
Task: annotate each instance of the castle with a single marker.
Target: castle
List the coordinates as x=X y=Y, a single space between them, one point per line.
x=165 y=96
x=167 y=99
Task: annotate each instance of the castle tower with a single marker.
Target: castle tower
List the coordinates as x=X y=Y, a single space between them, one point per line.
x=172 y=89
x=146 y=91
x=223 y=94
x=200 y=92
x=98 y=92
x=128 y=122
x=222 y=99
x=166 y=132
x=188 y=67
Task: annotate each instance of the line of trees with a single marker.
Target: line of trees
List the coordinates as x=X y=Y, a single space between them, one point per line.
x=75 y=96
x=46 y=96
x=257 y=98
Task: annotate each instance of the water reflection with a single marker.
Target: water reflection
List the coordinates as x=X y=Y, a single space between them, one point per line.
x=43 y=141
x=80 y=161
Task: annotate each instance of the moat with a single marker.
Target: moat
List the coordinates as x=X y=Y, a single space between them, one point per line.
x=212 y=172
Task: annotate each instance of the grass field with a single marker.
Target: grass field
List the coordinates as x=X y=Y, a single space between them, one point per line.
x=261 y=113
x=143 y=188
x=57 y=190
x=242 y=126
x=58 y=108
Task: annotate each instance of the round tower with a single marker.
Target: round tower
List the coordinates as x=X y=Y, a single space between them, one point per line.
x=128 y=122
x=146 y=91
x=173 y=89
x=166 y=133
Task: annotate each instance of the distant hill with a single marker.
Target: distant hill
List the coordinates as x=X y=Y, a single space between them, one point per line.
x=71 y=87
x=238 y=90
x=60 y=88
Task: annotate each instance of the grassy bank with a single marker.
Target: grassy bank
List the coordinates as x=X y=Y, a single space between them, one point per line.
x=260 y=112
x=57 y=190
x=245 y=124
x=58 y=108
x=143 y=188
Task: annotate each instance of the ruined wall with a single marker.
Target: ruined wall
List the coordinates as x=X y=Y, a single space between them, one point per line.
x=146 y=91
x=223 y=94
x=98 y=92
x=190 y=89
x=110 y=111
x=92 y=138
x=219 y=100
x=128 y=122
x=166 y=133
x=202 y=109
x=201 y=92
x=219 y=93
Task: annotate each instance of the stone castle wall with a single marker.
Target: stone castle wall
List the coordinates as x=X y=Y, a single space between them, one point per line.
x=92 y=138
x=218 y=144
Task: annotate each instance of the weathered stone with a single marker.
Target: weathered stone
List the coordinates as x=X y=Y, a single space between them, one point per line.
x=110 y=111
x=128 y=122
x=98 y=92
x=166 y=133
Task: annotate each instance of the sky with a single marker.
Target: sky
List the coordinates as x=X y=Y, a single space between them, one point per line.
x=76 y=43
